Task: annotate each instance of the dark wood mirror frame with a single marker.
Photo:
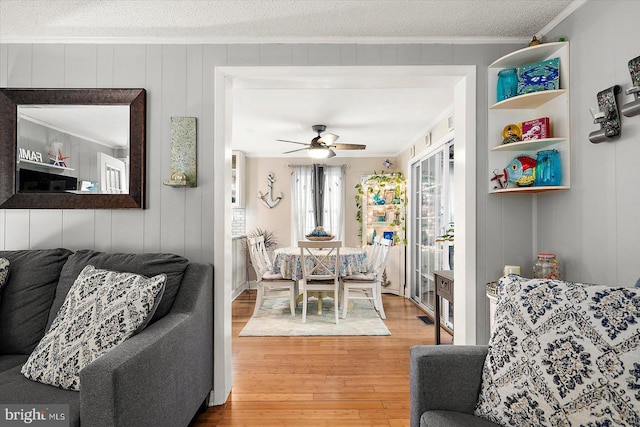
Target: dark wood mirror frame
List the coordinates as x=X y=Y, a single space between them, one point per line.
x=10 y=99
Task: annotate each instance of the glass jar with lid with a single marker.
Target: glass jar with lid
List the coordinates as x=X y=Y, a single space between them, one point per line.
x=546 y=266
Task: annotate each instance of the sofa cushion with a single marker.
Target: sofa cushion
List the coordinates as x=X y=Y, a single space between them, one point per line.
x=27 y=296
x=563 y=354
x=102 y=309
x=8 y=361
x=450 y=418
x=16 y=389
x=149 y=265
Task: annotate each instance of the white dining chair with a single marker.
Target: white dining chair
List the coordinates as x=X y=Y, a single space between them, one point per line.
x=269 y=285
x=320 y=271
x=367 y=285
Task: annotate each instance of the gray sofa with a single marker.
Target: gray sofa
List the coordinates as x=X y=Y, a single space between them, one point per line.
x=158 y=377
x=445 y=384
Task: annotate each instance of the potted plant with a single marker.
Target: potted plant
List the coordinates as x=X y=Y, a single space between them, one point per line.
x=448 y=237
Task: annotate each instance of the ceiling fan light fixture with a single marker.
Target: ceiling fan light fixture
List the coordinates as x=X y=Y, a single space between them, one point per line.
x=319 y=152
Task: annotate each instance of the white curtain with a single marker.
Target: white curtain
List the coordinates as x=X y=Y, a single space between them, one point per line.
x=302 y=206
x=301 y=203
x=334 y=200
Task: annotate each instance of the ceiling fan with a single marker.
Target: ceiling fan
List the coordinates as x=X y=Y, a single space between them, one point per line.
x=322 y=146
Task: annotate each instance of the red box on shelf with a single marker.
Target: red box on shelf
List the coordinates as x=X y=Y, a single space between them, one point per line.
x=536 y=129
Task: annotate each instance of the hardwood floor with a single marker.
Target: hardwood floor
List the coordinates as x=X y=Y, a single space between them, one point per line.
x=322 y=381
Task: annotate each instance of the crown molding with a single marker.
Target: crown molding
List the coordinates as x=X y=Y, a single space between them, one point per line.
x=560 y=17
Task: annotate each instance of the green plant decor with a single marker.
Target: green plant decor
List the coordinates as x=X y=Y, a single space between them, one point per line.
x=447 y=236
x=270 y=239
x=385 y=181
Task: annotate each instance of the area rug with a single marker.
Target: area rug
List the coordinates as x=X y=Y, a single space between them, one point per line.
x=274 y=319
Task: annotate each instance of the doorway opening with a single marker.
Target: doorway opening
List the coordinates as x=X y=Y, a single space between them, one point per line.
x=462 y=82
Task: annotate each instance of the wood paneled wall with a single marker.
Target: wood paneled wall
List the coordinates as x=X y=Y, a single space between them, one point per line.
x=595 y=228
x=179 y=82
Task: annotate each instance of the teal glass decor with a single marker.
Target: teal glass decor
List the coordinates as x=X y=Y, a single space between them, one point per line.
x=548 y=168
x=507 y=84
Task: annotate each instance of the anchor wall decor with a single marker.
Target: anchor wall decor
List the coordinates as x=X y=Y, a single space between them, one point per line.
x=267 y=199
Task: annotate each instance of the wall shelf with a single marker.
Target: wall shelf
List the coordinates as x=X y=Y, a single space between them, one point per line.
x=45 y=165
x=528 y=100
x=530 y=189
x=535 y=144
x=553 y=104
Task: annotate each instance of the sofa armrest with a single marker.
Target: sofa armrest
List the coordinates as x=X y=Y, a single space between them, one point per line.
x=162 y=375
x=445 y=377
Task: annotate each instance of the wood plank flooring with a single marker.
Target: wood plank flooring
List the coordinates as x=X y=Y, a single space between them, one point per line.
x=321 y=381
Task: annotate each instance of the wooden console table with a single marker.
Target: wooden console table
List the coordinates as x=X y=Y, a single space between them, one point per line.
x=444 y=289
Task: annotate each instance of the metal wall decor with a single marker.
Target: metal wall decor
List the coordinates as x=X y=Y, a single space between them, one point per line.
x=268 y=199
x=633 y=108
x=606 y=116
x=183 y=153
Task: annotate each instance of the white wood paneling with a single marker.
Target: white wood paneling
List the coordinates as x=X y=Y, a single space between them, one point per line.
x=275 y=54
x=368 y=54
x=153 y=211
x=48 y=66
x=17 y=229
x=193 y=238
x=174 y=75
x=324 y=54
x=80 y=66
x=19 y=65
x=594 y=228
x=78 y=229
x=45 y=228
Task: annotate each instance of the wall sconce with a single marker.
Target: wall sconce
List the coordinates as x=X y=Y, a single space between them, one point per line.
x=606 y=116
x=632 y=108
x=183 y=153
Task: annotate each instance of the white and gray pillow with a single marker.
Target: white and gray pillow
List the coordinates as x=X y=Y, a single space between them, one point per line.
x=563 y=354
x=4 y=271
x=101 y=310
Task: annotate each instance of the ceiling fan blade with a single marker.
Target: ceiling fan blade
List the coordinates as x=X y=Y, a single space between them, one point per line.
x=293 y=142
x=348 y=146
x=328 y=138
x=293 y=151
x=331 y=154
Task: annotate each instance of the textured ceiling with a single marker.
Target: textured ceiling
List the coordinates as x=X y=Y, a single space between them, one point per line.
x=385 y=115
x=275 y=20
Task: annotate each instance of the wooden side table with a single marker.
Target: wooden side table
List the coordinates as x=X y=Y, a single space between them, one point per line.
x=444 y=289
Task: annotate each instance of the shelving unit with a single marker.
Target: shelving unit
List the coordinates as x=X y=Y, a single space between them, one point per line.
x=45 y=165
x=394 y=221
x=551 y=103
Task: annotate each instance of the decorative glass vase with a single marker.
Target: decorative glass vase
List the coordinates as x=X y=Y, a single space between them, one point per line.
x=548 y=168
x=507 y=84
x=546 y=266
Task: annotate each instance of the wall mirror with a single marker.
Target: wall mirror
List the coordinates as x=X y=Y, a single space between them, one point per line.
x=72 y=148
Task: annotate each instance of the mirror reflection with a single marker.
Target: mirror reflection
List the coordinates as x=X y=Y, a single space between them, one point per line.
x=82 y=149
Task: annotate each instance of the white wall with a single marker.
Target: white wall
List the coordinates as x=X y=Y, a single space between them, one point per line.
x=279 y=219
x=595 y=227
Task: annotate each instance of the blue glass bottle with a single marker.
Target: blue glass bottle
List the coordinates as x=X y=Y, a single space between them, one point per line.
x=507 y=84
x=548 y=168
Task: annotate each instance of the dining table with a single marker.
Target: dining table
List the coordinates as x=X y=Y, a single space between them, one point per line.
x=287 y=262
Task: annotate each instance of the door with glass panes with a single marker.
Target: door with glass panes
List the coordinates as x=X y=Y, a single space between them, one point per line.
x=432 y=216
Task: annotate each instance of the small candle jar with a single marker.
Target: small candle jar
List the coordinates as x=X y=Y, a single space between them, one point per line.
x=546 y=266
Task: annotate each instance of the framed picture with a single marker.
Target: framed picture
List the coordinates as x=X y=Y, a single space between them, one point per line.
x=388 y=196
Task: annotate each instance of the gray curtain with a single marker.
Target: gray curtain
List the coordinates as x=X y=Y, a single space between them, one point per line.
x=318 y=193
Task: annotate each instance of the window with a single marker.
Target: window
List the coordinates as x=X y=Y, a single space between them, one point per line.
x=318 y=198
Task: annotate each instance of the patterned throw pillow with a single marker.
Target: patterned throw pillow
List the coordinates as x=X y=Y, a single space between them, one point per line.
x=102 y=309
x=4 y=271
x=563 y=354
